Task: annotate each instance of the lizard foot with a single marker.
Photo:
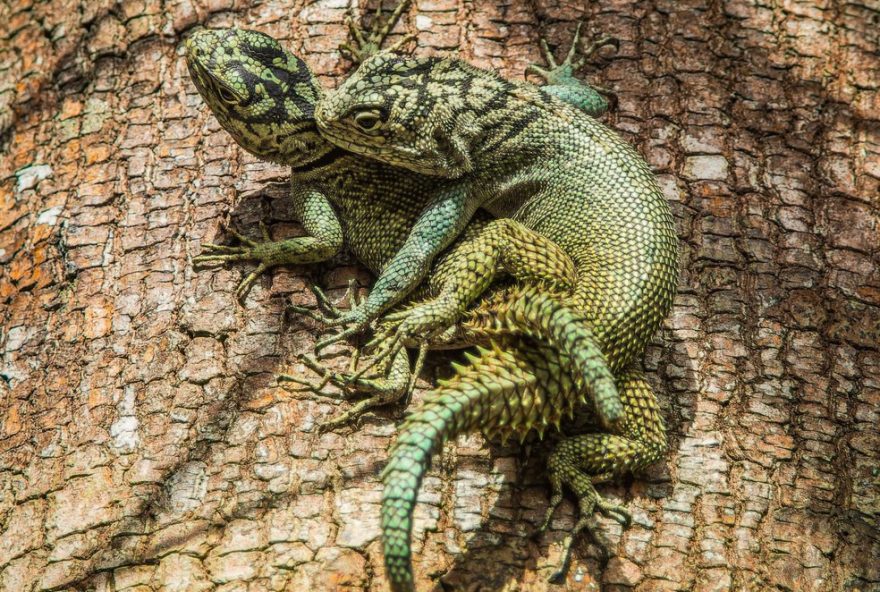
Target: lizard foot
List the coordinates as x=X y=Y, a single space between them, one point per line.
x=560 y=76
x=384 y=389
x=589 y=502
x=265 y=252
x=418 y=326
x=326 y=312
x=367 y=43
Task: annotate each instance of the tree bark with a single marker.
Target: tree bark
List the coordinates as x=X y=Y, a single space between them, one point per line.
x=145 y=446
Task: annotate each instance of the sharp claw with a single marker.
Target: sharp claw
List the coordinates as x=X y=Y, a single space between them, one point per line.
x=221 y=248
x=548 y=55
x=574 y=43
x=231 y=257
x=536 y=69
x=558 y=577
x=406 y=39
x=308 y=386
x=615 y=512
x=320 y=296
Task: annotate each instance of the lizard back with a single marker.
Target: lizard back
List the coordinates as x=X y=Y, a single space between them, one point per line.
x=527 y=155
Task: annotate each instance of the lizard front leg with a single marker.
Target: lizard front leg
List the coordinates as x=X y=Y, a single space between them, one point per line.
x=324 y=241
x=439 y=223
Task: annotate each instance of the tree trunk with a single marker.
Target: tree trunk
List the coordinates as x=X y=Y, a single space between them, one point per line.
x=144 y=444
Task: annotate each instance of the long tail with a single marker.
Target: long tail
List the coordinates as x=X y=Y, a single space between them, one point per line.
x=507 y=389
x=543 y=315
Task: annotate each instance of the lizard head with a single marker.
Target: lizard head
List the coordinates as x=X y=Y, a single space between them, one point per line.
x=407 y=112
x=262 y=95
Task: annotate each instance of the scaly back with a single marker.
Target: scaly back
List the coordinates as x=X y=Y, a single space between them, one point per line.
x=530 y=156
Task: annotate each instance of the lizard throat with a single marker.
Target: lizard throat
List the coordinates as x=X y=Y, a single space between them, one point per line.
x=327 y=159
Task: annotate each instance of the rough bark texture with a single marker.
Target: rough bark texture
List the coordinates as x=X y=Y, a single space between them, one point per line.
x=144 y=446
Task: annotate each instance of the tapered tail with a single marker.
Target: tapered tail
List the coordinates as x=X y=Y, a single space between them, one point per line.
x=506 y=389
x=543 y=315
x=441 y=418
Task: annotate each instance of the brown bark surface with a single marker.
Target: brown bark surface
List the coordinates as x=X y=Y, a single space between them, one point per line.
x=144 y=445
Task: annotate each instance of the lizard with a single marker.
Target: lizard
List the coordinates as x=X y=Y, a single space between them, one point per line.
x=262 y=135
x=265 y=97
x=522 y=153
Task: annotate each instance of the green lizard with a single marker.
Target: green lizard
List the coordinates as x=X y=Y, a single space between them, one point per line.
x=522 y=153
x=265 y=98
x=255 y=64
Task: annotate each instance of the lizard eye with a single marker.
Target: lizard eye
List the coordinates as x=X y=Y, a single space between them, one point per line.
x=226 y=95
x=368 y=120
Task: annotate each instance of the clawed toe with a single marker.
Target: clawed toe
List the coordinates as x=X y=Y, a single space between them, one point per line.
x=248 y=250
x=614 y=511
x=325 y=376
x=309 y=313
x=211 y=247
x=385 y=392
x=574 y=59
x=329 y=314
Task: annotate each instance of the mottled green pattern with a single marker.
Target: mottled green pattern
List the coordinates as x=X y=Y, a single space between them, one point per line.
x=395 y=221
x=597 y=290
x=527 y=155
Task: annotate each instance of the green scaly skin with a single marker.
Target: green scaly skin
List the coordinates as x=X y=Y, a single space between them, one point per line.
x=524 y=154
x=265 y=98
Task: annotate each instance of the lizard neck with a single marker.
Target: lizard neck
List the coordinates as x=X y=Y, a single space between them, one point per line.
x=329 y=158
x=510 y=130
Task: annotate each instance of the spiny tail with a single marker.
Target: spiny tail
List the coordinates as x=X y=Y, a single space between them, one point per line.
x=507 y=390
x=543 y=315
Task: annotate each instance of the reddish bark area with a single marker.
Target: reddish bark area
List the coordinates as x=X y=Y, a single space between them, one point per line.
x=143 y=442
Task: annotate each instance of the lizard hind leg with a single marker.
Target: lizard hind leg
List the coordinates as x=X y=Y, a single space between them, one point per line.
x=580 y=462
x=364 y=44
x=488 y=247
x=560 y=79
